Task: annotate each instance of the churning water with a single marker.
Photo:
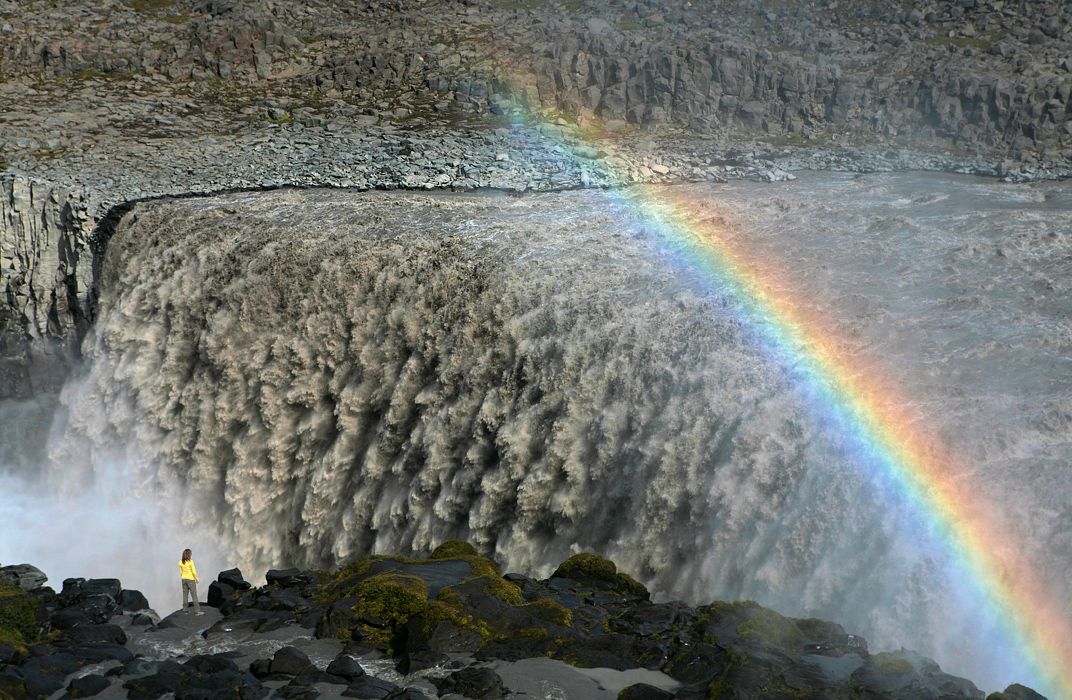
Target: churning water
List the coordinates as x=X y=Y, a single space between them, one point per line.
x=313 y=375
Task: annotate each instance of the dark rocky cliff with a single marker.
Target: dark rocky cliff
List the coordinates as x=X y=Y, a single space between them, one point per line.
x=445 y=627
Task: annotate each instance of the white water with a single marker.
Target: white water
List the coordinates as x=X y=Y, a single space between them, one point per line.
x=310 y=376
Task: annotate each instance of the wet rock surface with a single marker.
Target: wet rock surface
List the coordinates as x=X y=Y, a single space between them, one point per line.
x=373 y=629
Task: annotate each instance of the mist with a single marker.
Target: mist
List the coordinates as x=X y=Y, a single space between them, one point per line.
x=110 y=523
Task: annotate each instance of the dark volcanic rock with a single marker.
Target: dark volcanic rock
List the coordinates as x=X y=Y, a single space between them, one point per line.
x=346 y=666
x=110 y=587
x=290 y=578
x=234 y=579
x=86 y=686
x=369 y=688
x=291 y=661
x=588 y=615
x=132 y=600
x=474 y=682
x=643 y=691
x=89 y=634
x=1016 y=692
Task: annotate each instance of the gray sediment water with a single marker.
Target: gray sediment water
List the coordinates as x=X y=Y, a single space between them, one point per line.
x=309 y=376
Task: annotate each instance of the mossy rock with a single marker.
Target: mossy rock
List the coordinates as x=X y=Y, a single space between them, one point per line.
x=504 y=590
x=820 y=630
x=11 y=687
x=726 y=614
x=592 y=567
x=454 y=549
x=768 y=628
x=18 y=616
x=549 y=611
x=391 y=596
x=1016 y=692
x=537 y=633
x=890 y=664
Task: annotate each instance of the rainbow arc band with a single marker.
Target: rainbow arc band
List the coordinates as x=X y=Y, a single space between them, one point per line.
x=891 y=441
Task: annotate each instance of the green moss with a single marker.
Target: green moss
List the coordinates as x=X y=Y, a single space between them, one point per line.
x=18 y=614
x=504 y=590
x=591 y=566
x=454 y=549
x=726 y=612
x=538 y=633
x=820 y=630
x=391 y=596
x=11 y=687
x=776 y=689
x=587 y=566
x=770 y=629
x=719 y=689
x=890 y=664
x=15 y=640
x=550 y=611
x=627 y=584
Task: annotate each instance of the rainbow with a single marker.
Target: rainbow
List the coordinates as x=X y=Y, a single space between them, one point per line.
x=891 y=442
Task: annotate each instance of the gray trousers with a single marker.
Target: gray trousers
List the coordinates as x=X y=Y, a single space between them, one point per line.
x=190 y=587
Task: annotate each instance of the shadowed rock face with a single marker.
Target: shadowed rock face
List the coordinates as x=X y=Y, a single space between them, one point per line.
x=45 y=286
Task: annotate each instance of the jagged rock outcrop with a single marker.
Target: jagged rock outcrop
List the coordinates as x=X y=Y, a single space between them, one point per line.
x=366 y=629
x=46 y=277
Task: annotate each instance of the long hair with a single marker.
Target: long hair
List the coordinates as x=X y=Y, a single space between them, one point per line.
x=187 y=555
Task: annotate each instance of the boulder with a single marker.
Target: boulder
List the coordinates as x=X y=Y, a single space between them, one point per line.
x=110 y=587
x=1016 y=692
x=72 y=588
x=87 y=686
x=260 y=667
x=234 y=579
x=211 y=663
x=697 y=663
x=132 y=600
x=93 y=634
x=140 y=667
x=594 y=569
x=291 y=661
x=409 y=694
x=369 y=688
x=144 y=619
x=9 y=654
x=25 y=576
x=643 y=691
x=346 y=666
x=98 y=652
x=98 y=607
x=474 y=682
x=66 y=619
x=219 y=594
x=290 y=578
x=44 y=675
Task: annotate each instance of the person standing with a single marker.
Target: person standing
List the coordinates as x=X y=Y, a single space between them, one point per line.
x=189 y=579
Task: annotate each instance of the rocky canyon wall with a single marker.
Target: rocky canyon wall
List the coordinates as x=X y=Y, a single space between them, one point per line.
x=47 y=280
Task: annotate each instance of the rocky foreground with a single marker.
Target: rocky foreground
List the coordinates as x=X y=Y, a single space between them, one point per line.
x=446 y=627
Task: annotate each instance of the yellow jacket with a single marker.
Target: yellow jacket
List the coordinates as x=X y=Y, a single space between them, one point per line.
x=186 y=568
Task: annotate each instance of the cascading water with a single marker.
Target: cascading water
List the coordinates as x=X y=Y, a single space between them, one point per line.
x=314 y=375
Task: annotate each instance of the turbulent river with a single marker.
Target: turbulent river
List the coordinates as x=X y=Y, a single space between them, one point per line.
x=298 y=378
